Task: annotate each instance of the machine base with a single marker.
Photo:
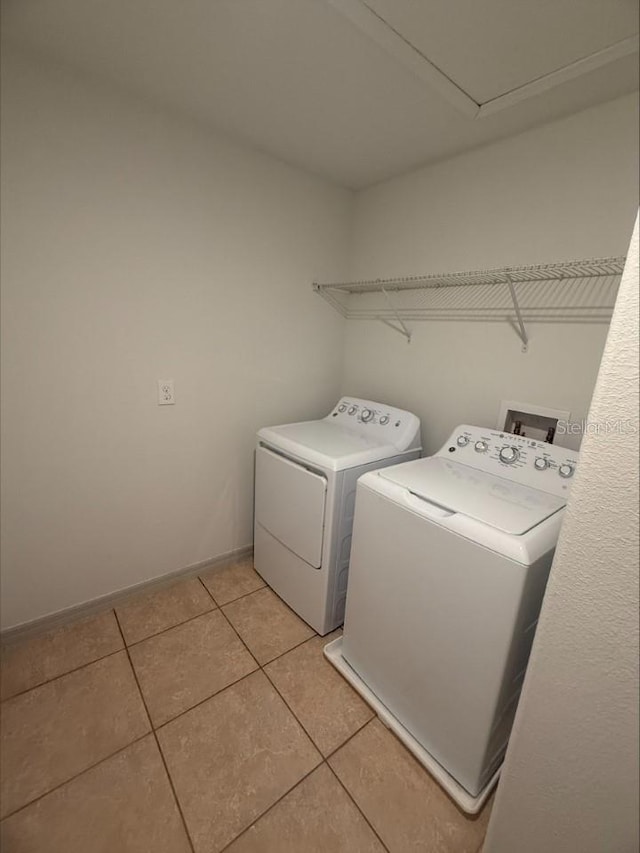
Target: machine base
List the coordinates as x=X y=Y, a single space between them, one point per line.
x=469 y=804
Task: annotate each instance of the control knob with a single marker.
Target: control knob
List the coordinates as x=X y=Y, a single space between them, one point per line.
x=541 y=463
x=509 y=454
x=366 y=415
x=384 y=420
x=462 y=441
x=566 y=470
x=342 y=408
x=353 y=410
x=481 y=446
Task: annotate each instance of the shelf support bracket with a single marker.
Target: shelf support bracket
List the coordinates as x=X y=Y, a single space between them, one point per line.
x=521 y=331
x=401 y=326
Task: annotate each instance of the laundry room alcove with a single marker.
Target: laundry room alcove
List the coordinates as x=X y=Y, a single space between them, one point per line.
x=582 y=291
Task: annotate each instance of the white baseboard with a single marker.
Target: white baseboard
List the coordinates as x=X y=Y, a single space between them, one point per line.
x=106 y=602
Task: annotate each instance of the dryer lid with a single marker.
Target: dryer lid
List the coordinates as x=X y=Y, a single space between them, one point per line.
x=327 y=445
x=493 y=500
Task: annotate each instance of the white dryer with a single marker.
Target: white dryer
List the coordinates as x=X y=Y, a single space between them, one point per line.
x=304 y=500
x=449 y=563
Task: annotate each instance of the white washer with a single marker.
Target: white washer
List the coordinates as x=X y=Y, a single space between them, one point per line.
x=449 y=564
x=305 y=492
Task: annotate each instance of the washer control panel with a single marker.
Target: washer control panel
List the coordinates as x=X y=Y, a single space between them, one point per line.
x=524 y=460
x=380 y=422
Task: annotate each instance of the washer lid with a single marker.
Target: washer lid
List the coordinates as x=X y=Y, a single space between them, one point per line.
x=327 y=445
x=497 y=502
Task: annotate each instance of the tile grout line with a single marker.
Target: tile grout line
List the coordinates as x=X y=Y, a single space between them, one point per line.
x=206 y=699
x=352 y=798
x=373 y=720
x=291 y=711
x=297 y=646
x=325 y=760
x=295 y=716
x=155 y=736
x=246 y=595
x=135 y=677
x=289 y=791
x=268 y=809
x=350 y=738
x=75 y=776
x=62 y=675
x=170 y=628
x=271 y=660
x=233 y=628
x=231 y=601
x=258 y=668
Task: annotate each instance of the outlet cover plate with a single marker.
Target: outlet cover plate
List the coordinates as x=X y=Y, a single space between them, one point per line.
x=166 y=395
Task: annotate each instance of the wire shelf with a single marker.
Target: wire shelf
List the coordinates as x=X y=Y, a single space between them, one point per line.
x=570 y=291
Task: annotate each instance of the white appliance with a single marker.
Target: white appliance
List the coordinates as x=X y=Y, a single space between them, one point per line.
x=304 y=501
x=449 y=563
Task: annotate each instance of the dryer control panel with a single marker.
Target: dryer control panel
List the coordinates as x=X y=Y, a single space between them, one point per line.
x=523 y=460
x=384 y=423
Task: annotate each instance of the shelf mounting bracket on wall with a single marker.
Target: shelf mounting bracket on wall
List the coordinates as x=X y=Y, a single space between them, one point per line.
x=401 y=327
x=520 y=330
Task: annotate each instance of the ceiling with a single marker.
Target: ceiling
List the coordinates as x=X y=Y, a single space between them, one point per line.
x=351 y=90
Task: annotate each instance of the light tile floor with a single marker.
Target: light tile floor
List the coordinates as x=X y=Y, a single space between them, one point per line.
x=199 y=718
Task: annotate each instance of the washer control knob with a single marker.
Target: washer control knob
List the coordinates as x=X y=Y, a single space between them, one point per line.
x=566 y=470
x=481 y=446
x=342 y=408
x=541 y=463
x=509 y=454
x=462 y=441
x=366 y=415
x=353 y=410
x=384 y=420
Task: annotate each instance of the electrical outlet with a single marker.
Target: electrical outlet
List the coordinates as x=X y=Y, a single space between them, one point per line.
x=166 y=397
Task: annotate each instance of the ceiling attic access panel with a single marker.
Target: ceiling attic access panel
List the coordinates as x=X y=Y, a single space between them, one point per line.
x=493 y=55
x=493 y=47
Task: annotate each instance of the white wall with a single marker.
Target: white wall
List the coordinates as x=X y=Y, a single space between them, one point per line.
x=570 y=779
x=138 y=247
x=562 y=191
